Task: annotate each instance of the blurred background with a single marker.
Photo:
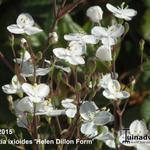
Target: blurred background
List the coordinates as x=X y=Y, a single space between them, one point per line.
x=128 y=61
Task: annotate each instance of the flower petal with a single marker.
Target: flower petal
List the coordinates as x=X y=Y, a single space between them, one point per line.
x=9 y=89
x=89 y=129
x=116 y=30
x=67 y=103
x=60 y=52
x=42 y=71
x=90 y=39
x=75 y=60
x=28 y=89
x=71 y=112
x=42 y=90
x=111 y=8
x=25 y=105
x=108 y=95
x=73 y=36
x=87 y=109
x=104 y=53
x=99 y=31
x=15 y=29
x=122 y=95
x=102 y=118
x=32 y=30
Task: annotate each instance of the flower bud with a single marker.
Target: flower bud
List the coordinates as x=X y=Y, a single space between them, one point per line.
x=95 y=13
x=78 y=87
x=138 y=127
x=24 y=43
x=53 y=38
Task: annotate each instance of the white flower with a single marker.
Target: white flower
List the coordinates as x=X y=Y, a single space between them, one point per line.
x=113 y=91
x=25 y=24
x=103 y=53
x=108 y=36
x=36 y=92
x=103 y=82
x=71 y=109
x=138 y=127
x=14 y=87
x=73 y=54
x=93 y=118
x=120 y=12
x=95 y=13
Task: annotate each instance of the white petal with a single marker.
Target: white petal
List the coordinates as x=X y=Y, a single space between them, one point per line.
x=25 y=19
x=75 y=60
x=102 y=118
x=73 y=37
x=42 y=90
x=108 y=41
x=42 y=71
x=32 y=30
x=35 y=99
x=87 y=109
x=122 y=95
x=56 y=112
x=27 y=69
x=108 y=95
x=116 y=30
x=130 y=12
x=138 y=127
x=110 y=143
x=15 y=29
x=66 y=69
x=111 y=8
x=89 y=129
x=105 y=79
x=25 y=105
x=67 y=103
x=28 y=89
x=71 y=112
x=99 y=31
x=90 y=39
x=76 y=48
x=114 y=86
x=9 y=89
x=143 y=146
x=60 y=52
x=22 y=121
x=104 y=53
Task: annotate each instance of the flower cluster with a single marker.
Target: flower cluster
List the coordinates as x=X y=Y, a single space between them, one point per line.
x=40 y=91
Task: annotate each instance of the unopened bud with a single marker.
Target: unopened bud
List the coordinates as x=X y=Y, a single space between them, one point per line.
x=24 y=43
x=53 y=38
x=78 y=87
x=95 y=13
